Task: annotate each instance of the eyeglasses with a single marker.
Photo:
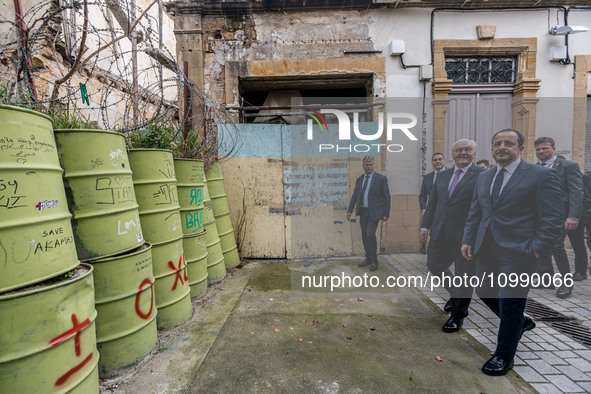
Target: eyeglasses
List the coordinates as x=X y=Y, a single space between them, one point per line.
x=460 y=150
x=507 y=144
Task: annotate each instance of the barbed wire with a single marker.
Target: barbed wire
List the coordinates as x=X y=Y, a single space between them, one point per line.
x=105 y=64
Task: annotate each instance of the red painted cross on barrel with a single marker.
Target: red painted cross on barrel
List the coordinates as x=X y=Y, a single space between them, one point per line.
x=182 y=266
x=66 y=335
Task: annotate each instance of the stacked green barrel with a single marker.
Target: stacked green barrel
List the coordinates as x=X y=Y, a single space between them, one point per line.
x=221 y=211
x=47 y=309
x=196 y=215
x=108 y=234
x=155 y=187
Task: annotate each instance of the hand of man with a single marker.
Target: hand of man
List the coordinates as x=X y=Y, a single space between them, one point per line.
x=423 y=235
x=467 y=252
x=536 y=254
x=348 y=215
x=571 y=224
x=385 y=218
x=422 y=211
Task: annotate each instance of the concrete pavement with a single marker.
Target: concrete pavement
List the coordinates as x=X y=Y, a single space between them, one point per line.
x=251 y=333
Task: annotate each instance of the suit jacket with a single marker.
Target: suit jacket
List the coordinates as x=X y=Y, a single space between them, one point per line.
x=526 y=217
x=447 y=214
x=587 y=196
x=378 y=198
x=426 y=187
x=571 y=183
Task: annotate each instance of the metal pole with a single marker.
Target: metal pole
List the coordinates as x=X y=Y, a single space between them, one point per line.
x=186 y=105
x=18 y=10
x=134 y=64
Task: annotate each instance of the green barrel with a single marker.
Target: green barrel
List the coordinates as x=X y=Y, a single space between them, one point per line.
x=190 y=181
x=100 y=192
x=216 y=270
x=217 y=192
x=227 y=240
x=208 y=215
x=196 y=213
x=215 y=258
x=156 y=193
x=155 y=187
x=48 y=340
x=195 y=248
x=126 y=321
x=173 y=299
x=36 y=238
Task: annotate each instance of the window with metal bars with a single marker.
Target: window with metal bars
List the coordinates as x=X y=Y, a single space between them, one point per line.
x=481 y=69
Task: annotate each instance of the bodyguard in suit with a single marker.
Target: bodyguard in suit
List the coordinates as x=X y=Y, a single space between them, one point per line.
x=446 y=216
x=371 y=196
x=515 y=216
x=571 y=183
x=438 y=162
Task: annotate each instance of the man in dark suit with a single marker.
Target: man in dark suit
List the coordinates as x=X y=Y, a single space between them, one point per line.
x=446 y=216
x=571 y=183
x=515 y=216
x=438 y=162
x=371 y=196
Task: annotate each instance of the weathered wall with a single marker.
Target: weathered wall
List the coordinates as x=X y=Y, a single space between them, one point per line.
x=107 y=75
x=272 y=44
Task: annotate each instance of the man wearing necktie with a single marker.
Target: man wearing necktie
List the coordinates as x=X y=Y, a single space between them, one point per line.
x=571 y=183
x=371 y=196
x=438 y=162
x=446 y=216
x=515 y=216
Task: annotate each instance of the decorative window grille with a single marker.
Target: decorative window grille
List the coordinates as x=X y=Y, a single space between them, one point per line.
x=481 y=69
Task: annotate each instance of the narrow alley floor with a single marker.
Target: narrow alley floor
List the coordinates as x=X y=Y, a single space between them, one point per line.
x=252 y=333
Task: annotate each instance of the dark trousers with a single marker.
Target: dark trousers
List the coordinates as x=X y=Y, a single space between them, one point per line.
x=507 y=302
x=560 y=257
x=441 y=254
x=368 y=235
x=577 y=241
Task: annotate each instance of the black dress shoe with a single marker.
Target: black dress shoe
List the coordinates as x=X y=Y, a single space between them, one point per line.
x=528 y=325
x=365 y=263
x=579 y=276
x=374 y=266
x=497 y=366
x=453 y=324
x=564 y=291
x=449 y=306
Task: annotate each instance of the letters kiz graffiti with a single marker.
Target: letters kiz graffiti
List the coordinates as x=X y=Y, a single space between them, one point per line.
x=395 y=121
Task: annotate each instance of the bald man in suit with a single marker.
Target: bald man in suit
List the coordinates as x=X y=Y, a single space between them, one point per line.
x=371 y=197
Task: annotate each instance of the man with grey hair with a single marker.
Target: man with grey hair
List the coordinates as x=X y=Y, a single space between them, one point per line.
x=372 y=198
x=446 y=216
